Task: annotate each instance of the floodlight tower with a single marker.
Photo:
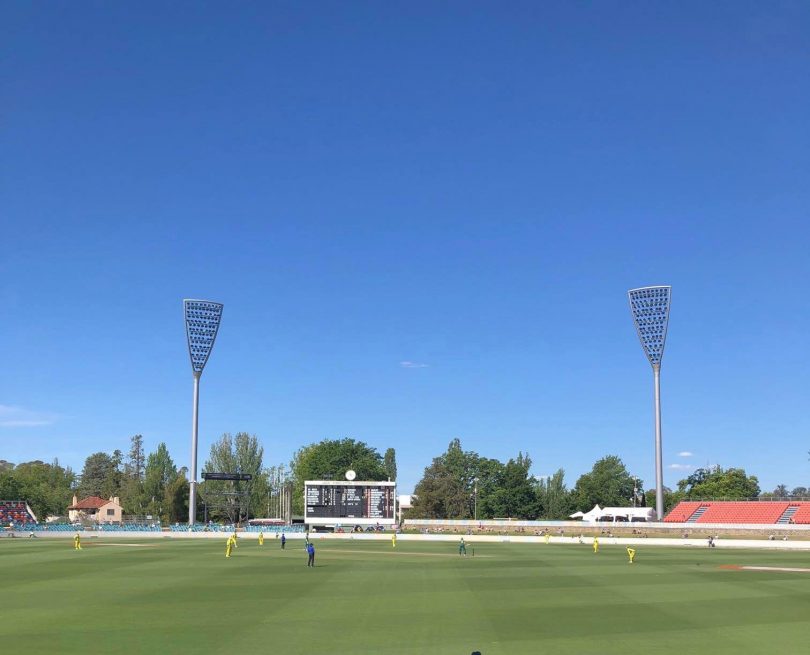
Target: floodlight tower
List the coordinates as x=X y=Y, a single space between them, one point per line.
x=202 y=323
x=650 y=309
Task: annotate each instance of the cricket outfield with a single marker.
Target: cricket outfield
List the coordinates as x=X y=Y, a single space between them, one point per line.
x=365 y=597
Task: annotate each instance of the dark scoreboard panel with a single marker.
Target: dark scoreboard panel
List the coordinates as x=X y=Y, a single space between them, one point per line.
x=350 y=501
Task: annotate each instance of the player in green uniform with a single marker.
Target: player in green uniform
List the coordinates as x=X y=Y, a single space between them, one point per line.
x=462 y=548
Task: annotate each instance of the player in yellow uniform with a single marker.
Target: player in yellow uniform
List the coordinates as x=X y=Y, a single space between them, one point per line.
x=548 y=536
x=394 y=540
x=595 y=545
x=631 y=553
x=261 y=538
x=229 y=545
x=77 y=542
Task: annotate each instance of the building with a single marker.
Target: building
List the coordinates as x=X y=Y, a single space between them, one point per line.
x=96 y=509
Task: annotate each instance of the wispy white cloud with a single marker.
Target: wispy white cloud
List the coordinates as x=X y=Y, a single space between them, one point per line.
x=685 y=453
x=680 y=466
x=407 y=364
x=19 y=417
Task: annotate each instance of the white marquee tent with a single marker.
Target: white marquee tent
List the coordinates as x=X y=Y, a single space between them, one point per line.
x=614 y=514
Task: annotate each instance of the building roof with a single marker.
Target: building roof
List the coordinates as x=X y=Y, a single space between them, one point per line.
x=91 y=502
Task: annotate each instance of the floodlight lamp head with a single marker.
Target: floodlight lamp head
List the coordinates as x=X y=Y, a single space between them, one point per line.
x=202 y=323
x=650 y=309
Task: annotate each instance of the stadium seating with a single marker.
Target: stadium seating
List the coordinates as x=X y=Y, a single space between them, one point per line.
x=802 y=514
x=201 y=527
x=682 y=512
x=15 y=512
x=130 y=527
x=272 y=529
x=753 y=512
x=55 y=527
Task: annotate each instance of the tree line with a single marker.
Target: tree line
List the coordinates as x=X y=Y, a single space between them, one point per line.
x=457 y=484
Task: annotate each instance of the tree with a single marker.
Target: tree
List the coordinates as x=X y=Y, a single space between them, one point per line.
x=799 y=492
x=487 y=476
x=176 y=499
x=457 y=481
x=159 y=474
x=276 y=503
x=234 y=454
x=112 y=483
x=717 y=483
x=553 y=498
x=47 y=488
x=99 y=476
x=329 y=460
x=390 y=463
x=608 y=484
x=135 y=463
x=514 y=496
x=781 y=491
x=132 y=494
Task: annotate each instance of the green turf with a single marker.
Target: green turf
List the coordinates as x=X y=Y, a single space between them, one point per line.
x=178 y=596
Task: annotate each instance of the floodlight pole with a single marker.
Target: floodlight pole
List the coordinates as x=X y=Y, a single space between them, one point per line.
x=650 y=309
x=195 y=414
x=659 y=458
x=202 y=319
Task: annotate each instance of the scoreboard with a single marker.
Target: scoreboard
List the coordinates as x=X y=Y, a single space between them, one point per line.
x=329 y=502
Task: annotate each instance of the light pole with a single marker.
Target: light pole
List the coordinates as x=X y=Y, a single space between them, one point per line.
x=202 y=323
x=650 y=309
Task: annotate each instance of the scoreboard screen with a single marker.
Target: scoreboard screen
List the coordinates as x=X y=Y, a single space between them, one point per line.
x=335 y=502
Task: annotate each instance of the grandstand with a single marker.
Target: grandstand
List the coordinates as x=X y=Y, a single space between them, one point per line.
x=16 y=512
x=741 y=512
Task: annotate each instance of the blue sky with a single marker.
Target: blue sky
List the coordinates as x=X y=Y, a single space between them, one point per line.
x=470 y=188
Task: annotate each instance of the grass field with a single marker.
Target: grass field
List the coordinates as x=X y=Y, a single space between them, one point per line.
x=178 y=596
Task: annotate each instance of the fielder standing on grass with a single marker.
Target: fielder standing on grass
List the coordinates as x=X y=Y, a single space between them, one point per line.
x=261 y=537
x=631 y=553
x=394 y=540
x=229 y=545
x=595 y=545
x=77 y=542
x=462 y=548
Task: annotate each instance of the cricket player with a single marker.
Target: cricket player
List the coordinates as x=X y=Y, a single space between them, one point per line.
x=394 y=540
x=283 y=540
x=261 y=538
x=595 y=545
x=462 y=548
x=229 y=546
x=77 y=542
x=631 y=553
x=548 y=536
